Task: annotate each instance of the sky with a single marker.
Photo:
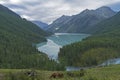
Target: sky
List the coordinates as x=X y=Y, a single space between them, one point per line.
x=49 y=10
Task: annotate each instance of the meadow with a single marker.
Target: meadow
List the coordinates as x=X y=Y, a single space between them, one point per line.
x=111 y=72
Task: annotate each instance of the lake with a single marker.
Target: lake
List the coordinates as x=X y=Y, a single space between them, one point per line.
x=56 y=41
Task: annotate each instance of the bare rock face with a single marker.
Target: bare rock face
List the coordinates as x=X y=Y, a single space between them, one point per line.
x=81 y=23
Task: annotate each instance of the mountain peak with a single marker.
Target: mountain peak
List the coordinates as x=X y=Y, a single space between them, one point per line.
x=81 y=22
x=85 y=11
x=61 y=19
x=63 y=16
x=104 y=8
x=105 y=11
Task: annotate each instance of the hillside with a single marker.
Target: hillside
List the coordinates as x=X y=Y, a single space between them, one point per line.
x=14 y=24
x=101 y=46
x=18 y=38
x=111 y=26
x=82 y=22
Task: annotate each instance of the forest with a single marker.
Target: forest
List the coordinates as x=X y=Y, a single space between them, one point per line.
x=18 y=39
x=104 y=44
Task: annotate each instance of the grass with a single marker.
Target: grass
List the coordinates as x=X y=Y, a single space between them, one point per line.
x=99 y=73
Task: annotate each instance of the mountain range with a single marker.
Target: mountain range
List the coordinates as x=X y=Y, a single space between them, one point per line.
x=18 y=39
x=82 y=22
x=40 y=24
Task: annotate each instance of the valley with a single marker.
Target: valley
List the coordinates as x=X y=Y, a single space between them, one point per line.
x=83 y=46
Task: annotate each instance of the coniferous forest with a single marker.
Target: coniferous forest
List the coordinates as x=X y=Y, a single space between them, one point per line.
x=21 y=59
x=18 y=38
x=102 y=45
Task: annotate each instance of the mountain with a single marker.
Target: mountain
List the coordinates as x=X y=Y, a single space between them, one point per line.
x=4 y=9
x=81 y=23
x=59 y=23
x=40 y=24
x=102 y=46
x=18 y=39
x=13 y=23
x=110 y=25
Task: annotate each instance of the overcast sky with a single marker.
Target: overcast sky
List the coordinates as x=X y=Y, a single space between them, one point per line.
x=48 y=10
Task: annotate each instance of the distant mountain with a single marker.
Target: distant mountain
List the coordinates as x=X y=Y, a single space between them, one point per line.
x=18 y=39
x=108 y=26
x=40 y=24
x=81 y=23
x=59 y=23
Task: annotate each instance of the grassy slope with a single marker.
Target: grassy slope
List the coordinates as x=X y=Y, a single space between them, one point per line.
x=101 y=73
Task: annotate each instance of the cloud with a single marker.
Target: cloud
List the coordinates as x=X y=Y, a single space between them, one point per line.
x=49 y=10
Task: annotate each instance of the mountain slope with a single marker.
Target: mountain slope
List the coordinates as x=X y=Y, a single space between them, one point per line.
x=13 y=23
x=59 y=23
x=40 y=24
x=111 y=25
x=4 y=9
x=81 y=23
x=18 y=38
x=103 y=45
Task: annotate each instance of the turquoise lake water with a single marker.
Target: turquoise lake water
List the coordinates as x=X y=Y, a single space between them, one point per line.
x=56 y=41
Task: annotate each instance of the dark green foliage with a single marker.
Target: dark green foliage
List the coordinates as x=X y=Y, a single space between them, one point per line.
x=18 y=38
x=92 y=51
x=102 y=46
x=16 y=26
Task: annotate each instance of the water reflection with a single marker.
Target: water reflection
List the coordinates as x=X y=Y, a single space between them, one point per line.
x=111 y=61
x=55 y=42
x=50 y=48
